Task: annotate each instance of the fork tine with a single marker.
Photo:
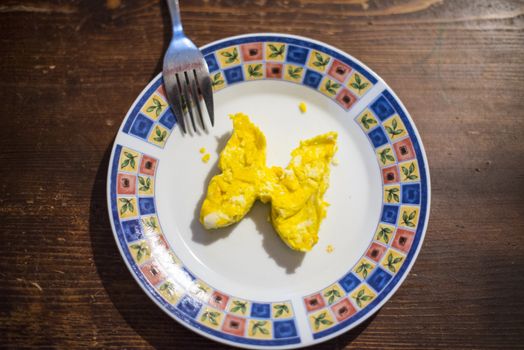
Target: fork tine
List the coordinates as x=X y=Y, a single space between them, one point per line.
x=189 y=103
x=204 y=84
x=176 y=98
x=196 y=97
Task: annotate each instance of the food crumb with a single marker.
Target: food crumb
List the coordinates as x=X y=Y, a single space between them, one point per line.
x=302 y=106
x=329 y=248
x=202 y=150
x=206 y=157
x=335 y=162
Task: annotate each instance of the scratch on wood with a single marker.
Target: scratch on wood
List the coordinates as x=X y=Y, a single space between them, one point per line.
x=37 y=286
x=39 y=8
x=81 y=23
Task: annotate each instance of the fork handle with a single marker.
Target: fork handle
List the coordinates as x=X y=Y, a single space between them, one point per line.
x=174 y=10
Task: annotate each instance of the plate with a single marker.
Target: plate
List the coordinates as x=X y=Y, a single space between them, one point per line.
x=241 y=285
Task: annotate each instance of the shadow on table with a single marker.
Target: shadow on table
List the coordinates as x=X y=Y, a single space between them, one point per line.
x=146 y=319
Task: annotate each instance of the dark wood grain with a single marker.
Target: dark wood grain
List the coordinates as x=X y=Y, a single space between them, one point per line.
x=70 y=69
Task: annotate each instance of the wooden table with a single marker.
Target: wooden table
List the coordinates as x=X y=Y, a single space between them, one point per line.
x=70 y=70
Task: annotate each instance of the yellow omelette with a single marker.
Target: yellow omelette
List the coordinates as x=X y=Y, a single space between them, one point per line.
x=296 y=192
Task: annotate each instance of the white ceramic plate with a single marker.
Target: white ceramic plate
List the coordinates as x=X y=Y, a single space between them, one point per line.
x=241 y=285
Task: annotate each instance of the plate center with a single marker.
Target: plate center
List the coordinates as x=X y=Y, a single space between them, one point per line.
x=249 y=260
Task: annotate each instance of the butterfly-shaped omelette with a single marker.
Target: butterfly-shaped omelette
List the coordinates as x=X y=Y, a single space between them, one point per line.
x=295 y=193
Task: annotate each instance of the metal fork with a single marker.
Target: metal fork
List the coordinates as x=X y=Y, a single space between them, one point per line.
x=186 y=75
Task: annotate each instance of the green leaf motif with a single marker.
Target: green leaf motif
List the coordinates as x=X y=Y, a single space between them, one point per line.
x=259 y=326
x=391 y=262
x=239 y=306
x=169 y=288
x=384 y=233
x=361 y=296
x=127 y=206
x=254 y=71
x=358 y=84
x=364 y=267
x=294 y=72
x=331 y=295
x=141 y=250
x=384 y=156
x=231 y=56
x=145 y=183
x=331 y=87
x=280 y=310
x=320 y=62
x=407 y=220
x=157 y=106
x=130 y=160
x=392 y=130
x=276 y=52
x=150 y=223
x=393 y=195
x=160 y=135
x=408 y=173
x=217 y=79
x=321 y=319
x=366 y=121
x=212 y=315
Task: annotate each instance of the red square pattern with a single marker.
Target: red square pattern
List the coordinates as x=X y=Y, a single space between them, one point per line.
x=343 y=309
x=390 y=175
x=339 y=70
x=251 y=52
x=148 y=165
x=274 y=70
x=126 y=184
x=404 y=150
x=234 y=325
x=346 y=99
x=314 y=302
x=153 y=273
x=403 y=240
x=218 y=300
x=376 y=251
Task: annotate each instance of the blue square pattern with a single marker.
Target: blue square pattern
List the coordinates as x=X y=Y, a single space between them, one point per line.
x=234 y=75
x=189 y=306
x=146 y=206
x=189 y=274
x=168 y=119
x=297 y=54
x=284 y=329
x=260 y=310
x=349 y=282
x=312 y=79
x=141 y=126
x=382 y=108
x=411 y=194
x=378 y=137
x=212 y=63
x=378 y=279
x=389 y=214
x=132 y=230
